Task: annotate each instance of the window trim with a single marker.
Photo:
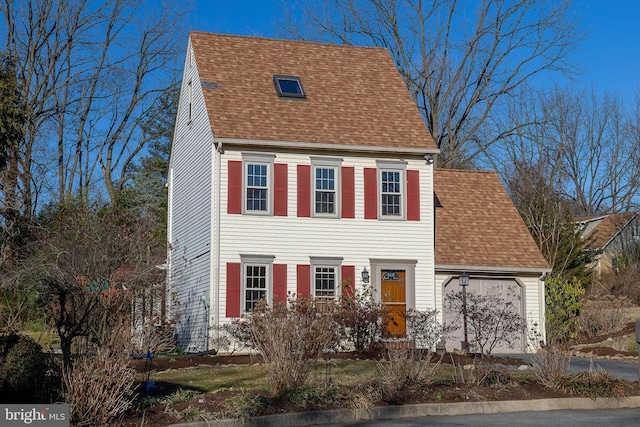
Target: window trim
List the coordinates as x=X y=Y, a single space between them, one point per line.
x=327 y=163
x=255 y=261
x=190 y=105
x=277 y=78
x=327 y=262
x=258 y=159
x=401 y=168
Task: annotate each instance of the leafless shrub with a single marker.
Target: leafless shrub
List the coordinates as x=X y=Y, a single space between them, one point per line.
x=375 y=391
x=407 y=366
x=459 y=376
x=291 y=336
x=603 y=315
x=414 y=365
x=550 y=364
x=423 y=328
x=625 y=282
x=592 y=383
x=154 y=338
x=496 y=378
x=360 y=318
x=99 y=388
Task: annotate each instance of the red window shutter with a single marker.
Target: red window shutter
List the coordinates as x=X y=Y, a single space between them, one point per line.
x=413 y=195
x=280 y=188
x=303 y=279
x=348 y=279
x=370 y=193
x=280 y=282
x=234 y=188
x=348 y=192
x=304 y=190
x=233 y=289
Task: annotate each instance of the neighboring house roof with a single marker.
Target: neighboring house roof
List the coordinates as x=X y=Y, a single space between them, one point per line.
x=608 y=228
x=478 y=225
x=355 y=96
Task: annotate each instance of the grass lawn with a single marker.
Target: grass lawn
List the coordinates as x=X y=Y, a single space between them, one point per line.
x=254 y=377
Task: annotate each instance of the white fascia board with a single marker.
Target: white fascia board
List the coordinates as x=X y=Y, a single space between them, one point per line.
x=491 y=269
x=326 y=146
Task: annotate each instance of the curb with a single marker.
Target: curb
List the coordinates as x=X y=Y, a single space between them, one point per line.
x=341 y=416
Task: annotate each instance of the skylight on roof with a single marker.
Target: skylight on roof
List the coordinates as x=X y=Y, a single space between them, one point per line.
x=288 y=86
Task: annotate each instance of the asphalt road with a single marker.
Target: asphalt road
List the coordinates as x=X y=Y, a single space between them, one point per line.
x=568 y=418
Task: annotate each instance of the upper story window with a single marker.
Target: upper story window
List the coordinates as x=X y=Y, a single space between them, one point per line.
x=288 y=86
x=325 y=191
x=392 y=187
x=257 y=189
x=326 y=186
x=391 y=194
x=258 y=183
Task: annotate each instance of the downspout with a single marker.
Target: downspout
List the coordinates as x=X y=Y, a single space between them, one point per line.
x=219 y=153
x=543 y=308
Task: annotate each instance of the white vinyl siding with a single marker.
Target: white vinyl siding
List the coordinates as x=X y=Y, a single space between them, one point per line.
x=294 y=240
x=190 y=217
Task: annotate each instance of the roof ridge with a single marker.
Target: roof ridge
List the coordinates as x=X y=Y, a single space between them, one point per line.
x=483 y=171
x=320 y=43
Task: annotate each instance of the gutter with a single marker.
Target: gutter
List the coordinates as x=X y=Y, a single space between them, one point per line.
x=328 y=146
x=491 y=269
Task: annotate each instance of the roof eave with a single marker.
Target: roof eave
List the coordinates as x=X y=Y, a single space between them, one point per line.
x=326 y=146
x=492 y=269
x=617 y=233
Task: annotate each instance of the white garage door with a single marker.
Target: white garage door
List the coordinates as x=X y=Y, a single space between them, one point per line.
x=506 y=289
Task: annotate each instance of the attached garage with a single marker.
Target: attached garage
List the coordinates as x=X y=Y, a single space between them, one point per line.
x=480 y=232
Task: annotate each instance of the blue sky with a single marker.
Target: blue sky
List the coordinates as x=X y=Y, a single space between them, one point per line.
x=609 y=57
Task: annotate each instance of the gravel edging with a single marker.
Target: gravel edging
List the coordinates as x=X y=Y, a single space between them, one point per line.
x=339 y=416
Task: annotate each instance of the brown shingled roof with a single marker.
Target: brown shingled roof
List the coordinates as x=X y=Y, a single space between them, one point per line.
x=478 y=225
x=609 y=227
x=354 y=95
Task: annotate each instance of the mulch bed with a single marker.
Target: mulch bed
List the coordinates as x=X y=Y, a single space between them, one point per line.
x=446 y=392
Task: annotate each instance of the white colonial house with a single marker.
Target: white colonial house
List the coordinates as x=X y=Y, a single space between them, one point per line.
x=297 y=167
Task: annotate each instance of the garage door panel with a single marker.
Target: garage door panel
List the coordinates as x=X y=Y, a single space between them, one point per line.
x=509 y=289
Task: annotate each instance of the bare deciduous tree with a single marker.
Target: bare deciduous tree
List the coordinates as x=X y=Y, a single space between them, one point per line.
x=89 y=263
x=586 y=143
x=460 y=59
x=92 y=75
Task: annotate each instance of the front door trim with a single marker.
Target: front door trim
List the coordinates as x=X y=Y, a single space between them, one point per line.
x=408 y=265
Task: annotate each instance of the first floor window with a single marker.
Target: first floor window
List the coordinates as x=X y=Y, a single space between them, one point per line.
x=325 y=282
x=255 y=285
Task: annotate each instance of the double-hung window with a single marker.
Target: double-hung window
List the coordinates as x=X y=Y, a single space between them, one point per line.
x=325 y=278
x=258 y=178
x=392 y=189
x=256 y=280
x=326 y=186
x=325 y=191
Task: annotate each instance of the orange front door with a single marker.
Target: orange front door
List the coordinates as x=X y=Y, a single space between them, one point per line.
x=394 y=297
